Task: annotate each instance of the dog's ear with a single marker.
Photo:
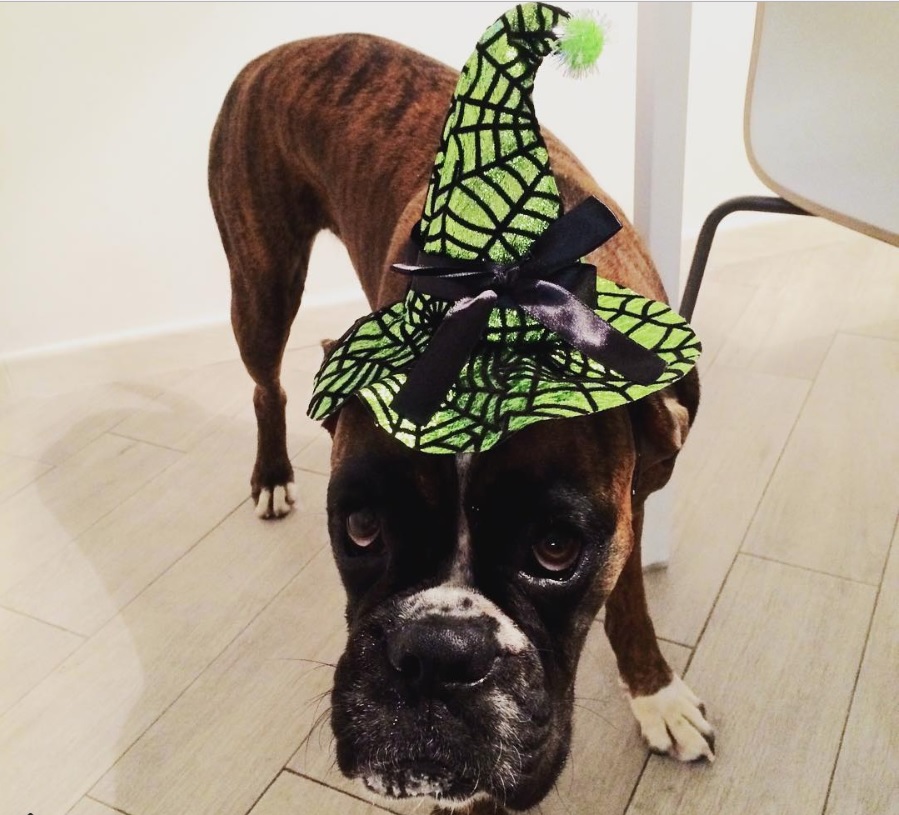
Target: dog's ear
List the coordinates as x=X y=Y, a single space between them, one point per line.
x=661 y=423
x=330 y=422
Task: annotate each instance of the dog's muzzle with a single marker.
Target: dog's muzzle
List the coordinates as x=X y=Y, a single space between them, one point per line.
x=440 y=694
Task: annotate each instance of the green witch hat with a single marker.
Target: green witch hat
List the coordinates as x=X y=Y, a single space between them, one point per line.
x=503 y=325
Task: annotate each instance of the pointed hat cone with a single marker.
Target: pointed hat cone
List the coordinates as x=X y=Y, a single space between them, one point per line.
x=492 y=191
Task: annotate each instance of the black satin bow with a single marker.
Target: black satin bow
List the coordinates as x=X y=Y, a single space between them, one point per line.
x=543 y=284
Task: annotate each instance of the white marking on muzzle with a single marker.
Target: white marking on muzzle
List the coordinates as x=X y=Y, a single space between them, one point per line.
x=461 y=603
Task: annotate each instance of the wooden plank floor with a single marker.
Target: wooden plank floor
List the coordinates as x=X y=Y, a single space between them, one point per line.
x=163 y=651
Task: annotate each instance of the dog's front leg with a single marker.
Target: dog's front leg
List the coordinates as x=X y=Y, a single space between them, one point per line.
x=267 y=283
x=268 y=213
x=671 y=717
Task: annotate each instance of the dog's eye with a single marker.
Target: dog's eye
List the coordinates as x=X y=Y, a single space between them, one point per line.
x=557 y=553
x=363 y=527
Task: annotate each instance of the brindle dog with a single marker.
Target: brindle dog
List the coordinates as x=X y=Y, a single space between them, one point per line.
x=457 y=680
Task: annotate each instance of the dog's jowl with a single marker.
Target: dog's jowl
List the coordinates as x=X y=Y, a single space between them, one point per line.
x=498 y=420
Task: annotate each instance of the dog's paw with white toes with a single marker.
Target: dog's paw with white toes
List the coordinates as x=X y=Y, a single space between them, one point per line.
x=277 y=502
x=673 y=722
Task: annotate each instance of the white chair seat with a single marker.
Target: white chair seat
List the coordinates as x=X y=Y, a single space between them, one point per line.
x=822 y=110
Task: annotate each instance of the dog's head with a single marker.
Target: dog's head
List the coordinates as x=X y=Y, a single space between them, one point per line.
x=471 y=584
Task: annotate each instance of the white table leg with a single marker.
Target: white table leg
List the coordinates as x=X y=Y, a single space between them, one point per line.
x=663 y=63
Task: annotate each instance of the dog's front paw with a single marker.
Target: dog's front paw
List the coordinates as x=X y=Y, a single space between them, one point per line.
x=673 y=722
x=277 y=501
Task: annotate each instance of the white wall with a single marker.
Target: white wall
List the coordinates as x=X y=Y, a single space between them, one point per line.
x=106 y=115
x=716 y=164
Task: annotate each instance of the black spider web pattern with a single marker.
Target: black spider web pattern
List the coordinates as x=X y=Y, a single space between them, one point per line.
x=497 y=79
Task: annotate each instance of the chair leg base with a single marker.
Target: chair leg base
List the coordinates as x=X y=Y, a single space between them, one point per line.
x=744 y=203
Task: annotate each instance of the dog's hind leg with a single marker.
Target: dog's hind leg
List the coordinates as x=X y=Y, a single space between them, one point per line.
x=268 y=219
x=671 y=717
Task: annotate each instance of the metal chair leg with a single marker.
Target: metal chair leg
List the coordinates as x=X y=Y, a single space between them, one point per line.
x=745 y=203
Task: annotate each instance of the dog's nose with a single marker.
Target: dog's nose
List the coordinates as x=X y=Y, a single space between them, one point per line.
x=436 y=652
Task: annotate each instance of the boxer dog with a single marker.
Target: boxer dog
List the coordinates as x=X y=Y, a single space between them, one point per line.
x=471 y=580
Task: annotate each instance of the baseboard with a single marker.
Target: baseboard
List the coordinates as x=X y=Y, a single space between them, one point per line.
x=66 y=367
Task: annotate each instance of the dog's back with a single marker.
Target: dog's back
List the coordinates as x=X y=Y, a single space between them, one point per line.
x=324 y=134
x=340 y=133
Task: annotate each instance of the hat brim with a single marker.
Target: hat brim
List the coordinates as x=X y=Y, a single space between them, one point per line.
x=519 y=374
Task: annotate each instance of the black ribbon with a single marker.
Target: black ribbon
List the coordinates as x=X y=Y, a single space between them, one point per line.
x=545 y=284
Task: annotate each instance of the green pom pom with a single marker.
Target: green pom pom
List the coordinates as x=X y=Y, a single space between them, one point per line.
x=581 y=39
